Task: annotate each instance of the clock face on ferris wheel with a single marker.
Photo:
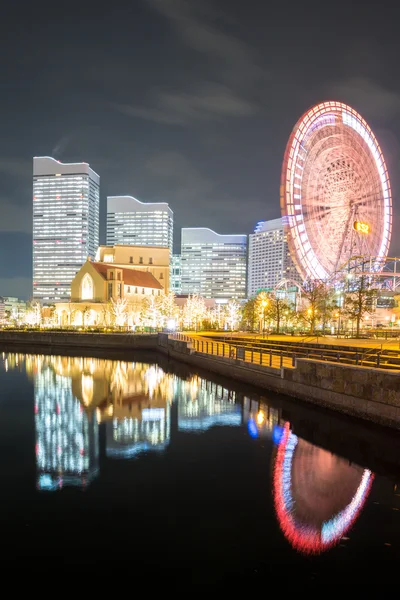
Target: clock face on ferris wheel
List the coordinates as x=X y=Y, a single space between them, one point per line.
x=335 y=192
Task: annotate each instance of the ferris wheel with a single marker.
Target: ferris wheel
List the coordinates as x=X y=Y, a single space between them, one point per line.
x=335 y=192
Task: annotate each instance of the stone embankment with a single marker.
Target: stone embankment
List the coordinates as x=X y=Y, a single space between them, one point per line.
x=72 y=339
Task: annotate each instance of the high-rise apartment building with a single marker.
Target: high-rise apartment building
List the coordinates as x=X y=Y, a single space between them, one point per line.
x=175 y=279
x=134 y=223
x=213 y=265
x=66 y=201
x=269 y=259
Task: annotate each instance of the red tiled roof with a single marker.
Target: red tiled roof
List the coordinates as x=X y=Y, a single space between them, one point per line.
x=130 y=276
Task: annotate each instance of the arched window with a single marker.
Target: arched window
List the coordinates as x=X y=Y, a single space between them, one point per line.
x=87 y=287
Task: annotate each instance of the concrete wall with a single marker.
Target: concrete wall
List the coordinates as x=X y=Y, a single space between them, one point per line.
x=373 y=394
x=71 y=339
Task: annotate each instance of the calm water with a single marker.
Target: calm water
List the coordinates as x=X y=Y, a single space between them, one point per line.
x=191 y=476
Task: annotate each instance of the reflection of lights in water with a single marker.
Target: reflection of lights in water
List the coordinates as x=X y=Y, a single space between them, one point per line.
x=260 y=417
x=154 y=375
x=66 y=439
x=252 y=428
x=307 y=537
x=277 y=434
x=202 y=405
x=87 y=389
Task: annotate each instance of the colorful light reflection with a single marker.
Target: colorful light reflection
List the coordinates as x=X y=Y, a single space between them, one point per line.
x=306 y=538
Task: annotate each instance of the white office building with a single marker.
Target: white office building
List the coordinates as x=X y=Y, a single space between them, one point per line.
x=213 y=265
x=269 y=260
x=66 y=201
x=175 y=279
x=134 y=223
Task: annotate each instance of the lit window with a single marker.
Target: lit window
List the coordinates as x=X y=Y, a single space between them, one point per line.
x=87 y=287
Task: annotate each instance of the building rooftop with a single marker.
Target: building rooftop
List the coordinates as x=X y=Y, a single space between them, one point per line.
x=268 y=225
x=130 y=276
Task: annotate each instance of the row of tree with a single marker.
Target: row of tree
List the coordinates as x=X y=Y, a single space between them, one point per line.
x=319 y=305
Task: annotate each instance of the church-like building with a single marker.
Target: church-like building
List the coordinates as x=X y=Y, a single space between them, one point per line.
x=99 y=288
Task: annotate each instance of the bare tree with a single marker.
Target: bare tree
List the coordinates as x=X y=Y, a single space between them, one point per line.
x=119 y=310
x=194 y=311
x=359 y=300
x=318 y=296
x=274 y=308
x=249 y=314
x=233 y=312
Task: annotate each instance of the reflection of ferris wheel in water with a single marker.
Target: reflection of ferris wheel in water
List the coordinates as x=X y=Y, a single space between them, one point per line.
x=335 y=191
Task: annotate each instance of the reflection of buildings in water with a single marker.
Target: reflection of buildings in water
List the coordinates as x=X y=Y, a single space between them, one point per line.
x=66 y=437
x=134 y=399
x=12 y=360
x=135 y=396
x=202 y=404
x=129 y=436
x=261 y=419
x=318 y=496
x=96 y=380
x=140 y=418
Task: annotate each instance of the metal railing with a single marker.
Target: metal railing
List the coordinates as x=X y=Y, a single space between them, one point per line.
x=279 y=355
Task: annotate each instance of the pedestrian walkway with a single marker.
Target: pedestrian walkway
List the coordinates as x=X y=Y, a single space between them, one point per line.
x=267 y=358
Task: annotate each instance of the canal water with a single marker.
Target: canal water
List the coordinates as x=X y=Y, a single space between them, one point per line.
x=179 y=473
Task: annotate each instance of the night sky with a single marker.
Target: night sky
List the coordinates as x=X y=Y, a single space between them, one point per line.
x=185 y=101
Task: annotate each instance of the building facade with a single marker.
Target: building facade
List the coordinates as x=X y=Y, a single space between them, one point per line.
x=96 y=291
x=176 y=274
x=134 y=223
x=213 y=265
x=269 y=259
x=14 y=308
x=66 y=201
x=151 y=259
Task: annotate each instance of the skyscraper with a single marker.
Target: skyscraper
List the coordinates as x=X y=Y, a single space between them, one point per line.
x=175 y=280
x=65 y=224
x=213 y=265
x=269 y=258
x=134 y=223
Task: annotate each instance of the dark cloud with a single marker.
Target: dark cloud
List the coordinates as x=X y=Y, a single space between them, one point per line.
x=209 y=102
x=376 y=100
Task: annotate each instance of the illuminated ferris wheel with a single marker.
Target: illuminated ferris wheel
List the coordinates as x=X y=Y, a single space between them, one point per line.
x=335 y=192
